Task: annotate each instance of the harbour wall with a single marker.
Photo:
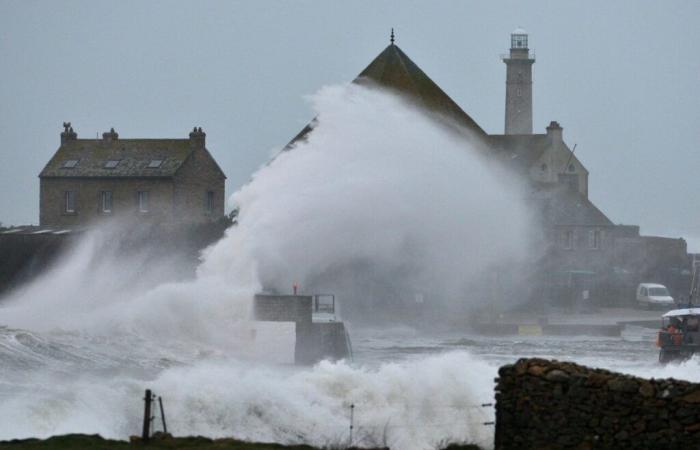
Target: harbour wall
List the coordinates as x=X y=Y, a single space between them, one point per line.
x=315 y=341
x=24 y=255
x=543 y=404
x=26 y=252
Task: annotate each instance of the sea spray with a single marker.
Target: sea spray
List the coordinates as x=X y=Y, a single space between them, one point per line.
x=379 y=196
x=413 y=404
x=380 y=204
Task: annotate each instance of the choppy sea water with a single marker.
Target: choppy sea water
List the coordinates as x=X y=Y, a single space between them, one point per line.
x=409 y=390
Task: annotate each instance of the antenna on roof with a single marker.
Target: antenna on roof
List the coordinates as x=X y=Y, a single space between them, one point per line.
x=391 y=38
x=571 y=156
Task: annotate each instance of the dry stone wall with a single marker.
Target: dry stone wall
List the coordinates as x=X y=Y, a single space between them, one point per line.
x=548 y=405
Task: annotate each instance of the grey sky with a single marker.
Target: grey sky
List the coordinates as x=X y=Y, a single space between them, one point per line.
x=621 y=77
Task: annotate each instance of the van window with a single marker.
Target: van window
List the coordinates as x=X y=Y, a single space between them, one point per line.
x=658 y=292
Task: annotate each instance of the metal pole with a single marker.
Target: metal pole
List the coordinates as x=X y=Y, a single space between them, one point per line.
x=352 y=422
x=162 y=414
x=566 y=167
x=147 y=416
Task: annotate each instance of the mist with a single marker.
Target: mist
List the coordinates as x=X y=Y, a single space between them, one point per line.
x=379 y=204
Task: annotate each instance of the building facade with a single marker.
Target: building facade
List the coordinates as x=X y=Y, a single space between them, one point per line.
x=159 y=181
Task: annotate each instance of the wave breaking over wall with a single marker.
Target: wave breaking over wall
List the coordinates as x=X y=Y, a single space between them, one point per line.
x=378 y=203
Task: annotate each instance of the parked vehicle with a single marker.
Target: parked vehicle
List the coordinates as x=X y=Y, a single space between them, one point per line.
x=650 y=295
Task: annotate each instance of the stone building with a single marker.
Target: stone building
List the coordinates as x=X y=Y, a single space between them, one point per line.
x=583 y=252
x=160 y=181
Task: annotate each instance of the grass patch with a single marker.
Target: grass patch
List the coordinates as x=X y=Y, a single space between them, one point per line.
x=97 y=442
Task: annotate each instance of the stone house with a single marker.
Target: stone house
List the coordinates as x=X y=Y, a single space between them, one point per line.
x=159 y=181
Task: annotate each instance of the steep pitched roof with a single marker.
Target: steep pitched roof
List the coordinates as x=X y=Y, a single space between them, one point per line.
x=393 y=70
x=522 y=150
x=564 y=206
x=134 y=156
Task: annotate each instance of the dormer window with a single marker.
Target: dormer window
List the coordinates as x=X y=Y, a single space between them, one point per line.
x=111 y=164
x=571 y=168
x=70 y=163
x=155 y=163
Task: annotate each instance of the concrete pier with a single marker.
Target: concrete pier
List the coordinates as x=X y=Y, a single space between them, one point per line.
x=315 y=340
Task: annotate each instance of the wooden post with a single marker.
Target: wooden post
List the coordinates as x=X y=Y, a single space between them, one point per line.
x=162 y=414
x=352 y=422
x=147 y=416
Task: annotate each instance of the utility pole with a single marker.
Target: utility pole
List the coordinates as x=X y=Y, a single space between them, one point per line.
x=147 y=416
x=162 y=414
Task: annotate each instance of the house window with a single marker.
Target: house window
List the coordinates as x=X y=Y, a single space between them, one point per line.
x=594 y=239
x=111 y=164
x=569 y=239
x=106 y=202
x=209 y=202
x=69 y=164
x=143 y=201
x=155 y=163
x=69 y=202
x=571 y=168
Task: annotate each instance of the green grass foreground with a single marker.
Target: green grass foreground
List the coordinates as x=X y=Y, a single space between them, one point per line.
x=97 y=442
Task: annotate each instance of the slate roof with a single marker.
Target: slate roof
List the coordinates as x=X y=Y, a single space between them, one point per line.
x=564 y=206
x=394 y=70
x=134 y=156
x=521 y=150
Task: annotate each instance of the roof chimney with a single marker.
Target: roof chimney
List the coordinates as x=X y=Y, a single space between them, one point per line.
x=555 y=132
x=68 y=134
x=110 y=136
x=197 y=137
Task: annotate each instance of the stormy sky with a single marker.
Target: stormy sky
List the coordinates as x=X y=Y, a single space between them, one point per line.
x=620 y=77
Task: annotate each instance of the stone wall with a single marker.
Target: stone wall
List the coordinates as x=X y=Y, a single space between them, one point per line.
x=26 y=253
x=283 y=308
x=315 y=341
x=161 y=208
x=543 y=404
x=198 y=175
x=23 y=256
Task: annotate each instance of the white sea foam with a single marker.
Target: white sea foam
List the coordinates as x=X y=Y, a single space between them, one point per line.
x=379 y=195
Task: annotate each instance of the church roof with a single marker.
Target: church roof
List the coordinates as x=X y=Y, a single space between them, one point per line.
x=394 y=70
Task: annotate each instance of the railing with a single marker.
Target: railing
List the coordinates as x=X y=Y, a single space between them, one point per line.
x=324 y=303
x=530 y=55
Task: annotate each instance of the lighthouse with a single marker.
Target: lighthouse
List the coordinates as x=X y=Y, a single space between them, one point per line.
x=518 y=85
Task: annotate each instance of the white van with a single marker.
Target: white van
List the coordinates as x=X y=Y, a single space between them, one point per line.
x=650 y=295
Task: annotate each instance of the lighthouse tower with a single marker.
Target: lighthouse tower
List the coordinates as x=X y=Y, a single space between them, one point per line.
x=518 y=85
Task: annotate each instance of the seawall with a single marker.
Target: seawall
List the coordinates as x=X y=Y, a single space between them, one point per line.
x=26 y=252
x=542 y=404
